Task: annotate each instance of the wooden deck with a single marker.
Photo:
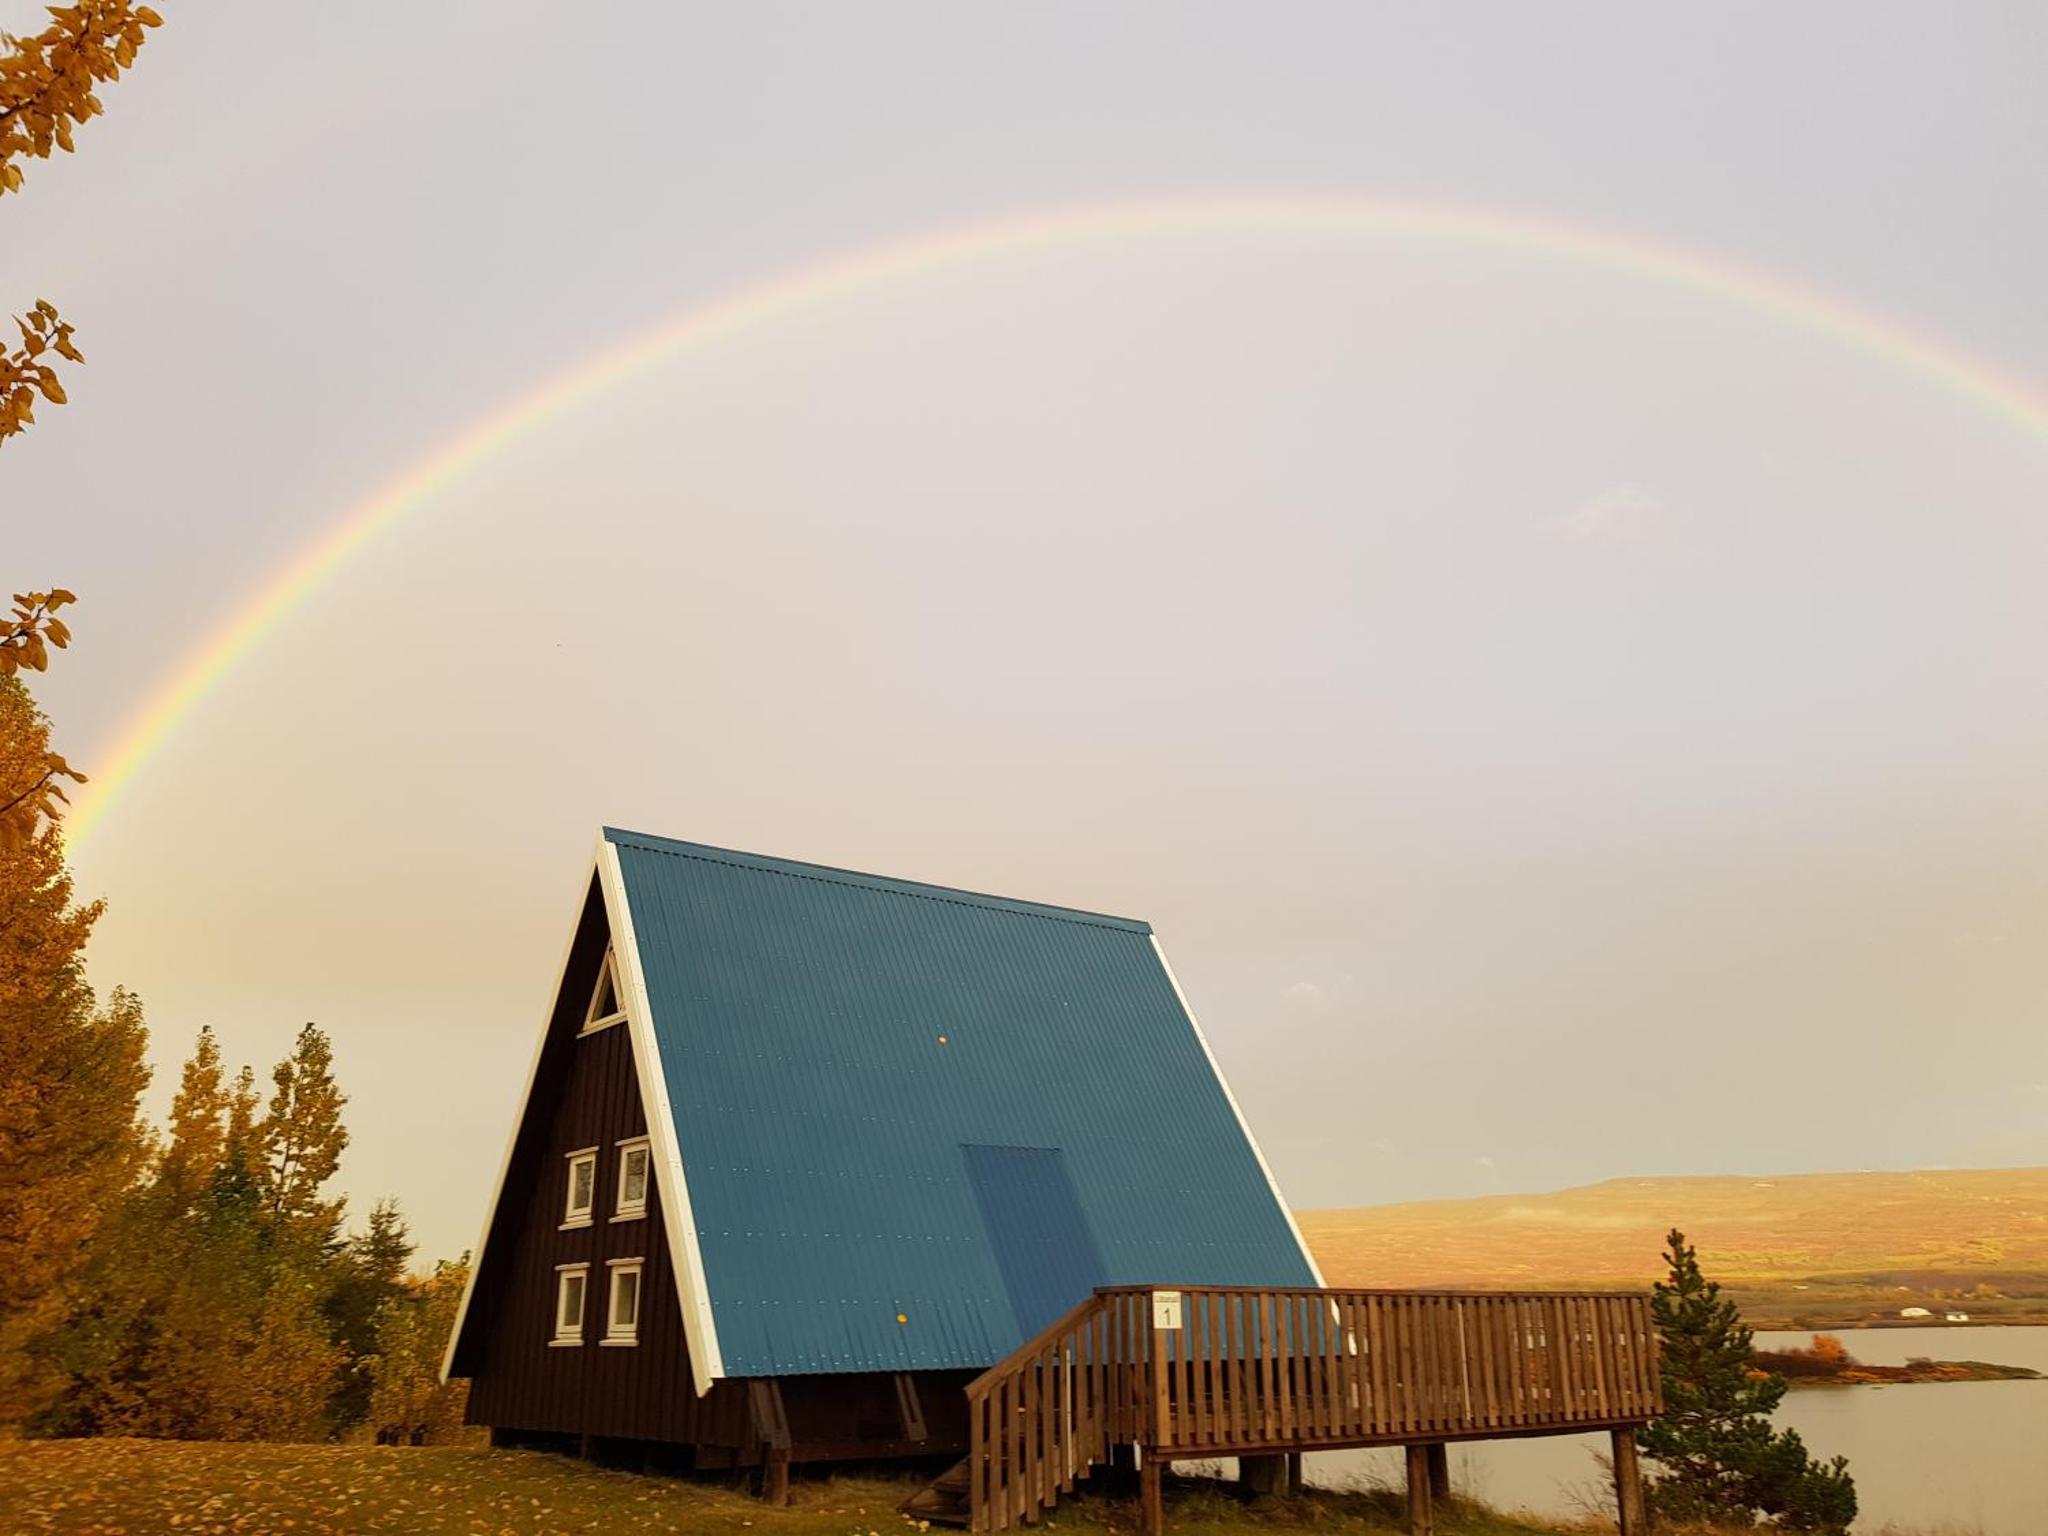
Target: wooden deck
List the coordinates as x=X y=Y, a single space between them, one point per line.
x=1160 y=1374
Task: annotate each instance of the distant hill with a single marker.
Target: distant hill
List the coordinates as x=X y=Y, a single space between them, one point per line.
x=1926 y=1229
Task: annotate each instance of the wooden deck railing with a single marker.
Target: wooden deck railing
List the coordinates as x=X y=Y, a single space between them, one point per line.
x=1200 y=1371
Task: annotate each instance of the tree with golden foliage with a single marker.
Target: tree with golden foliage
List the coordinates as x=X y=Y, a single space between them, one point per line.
x=207 y=1313
x=302 y=1139
x=32 y=778
x=409 y=1403
x=197 y=1134
x=46 y=91
x=33 y=627
x=71 y=1074
x=1831 y=1352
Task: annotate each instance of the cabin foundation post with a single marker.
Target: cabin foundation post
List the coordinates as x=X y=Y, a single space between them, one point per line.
x=1439 y=1471
x=1421 y=1509
x=771 y=1424
x=1263 y=1477
x=775 y=1477
x=1119 y=1475
x=1628 y=1484
x=910 y=1408
x=1151 y=1496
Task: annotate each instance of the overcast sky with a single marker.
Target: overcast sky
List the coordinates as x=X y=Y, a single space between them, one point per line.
x=1562 y=724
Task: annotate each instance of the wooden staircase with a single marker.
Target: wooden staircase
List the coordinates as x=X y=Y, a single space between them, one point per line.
x=945 y=1501
x=1043 y=1419
x=1206 y=1371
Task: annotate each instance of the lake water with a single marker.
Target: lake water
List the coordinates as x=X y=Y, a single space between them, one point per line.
x=1968 y=1458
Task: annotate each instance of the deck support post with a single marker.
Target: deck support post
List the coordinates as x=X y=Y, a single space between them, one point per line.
x=771 y=1423
x=1294 y=1475
x=775 y=1477
x=1421 y=1510
x=1151 y=1495
x=1263 y=1477
x=1628 y=1484
x=1439 y=1471
x=910 y=1408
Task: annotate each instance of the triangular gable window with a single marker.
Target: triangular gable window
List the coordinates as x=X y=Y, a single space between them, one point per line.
x=605 y=1008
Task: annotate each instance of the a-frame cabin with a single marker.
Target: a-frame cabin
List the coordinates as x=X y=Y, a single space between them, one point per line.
x=804 y=1151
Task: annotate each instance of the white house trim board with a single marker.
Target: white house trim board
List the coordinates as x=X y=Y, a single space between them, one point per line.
x=686 y=1255
x=476 y=1259
x=1242 y=1124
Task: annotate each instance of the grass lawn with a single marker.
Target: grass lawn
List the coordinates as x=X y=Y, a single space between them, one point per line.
x=150 y=1486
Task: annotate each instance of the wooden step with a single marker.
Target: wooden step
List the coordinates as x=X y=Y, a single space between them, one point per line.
x=944 y=1501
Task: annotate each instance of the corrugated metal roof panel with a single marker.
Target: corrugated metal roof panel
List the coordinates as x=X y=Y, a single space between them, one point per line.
x=1038 y=1234
x=833 y=1041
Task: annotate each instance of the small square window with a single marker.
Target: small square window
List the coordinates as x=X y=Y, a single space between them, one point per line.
x=622 y=1315
x=635 y=1169
x=582 y=1194
x=572 y=1283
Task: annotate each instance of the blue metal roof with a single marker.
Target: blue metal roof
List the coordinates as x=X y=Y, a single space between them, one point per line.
x=849 y=1059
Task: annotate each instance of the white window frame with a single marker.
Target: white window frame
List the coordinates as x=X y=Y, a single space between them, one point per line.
x=569 y=1335
x=593 y=1021
x=615 y=1333
x=631 y=1210
x=572 y=1216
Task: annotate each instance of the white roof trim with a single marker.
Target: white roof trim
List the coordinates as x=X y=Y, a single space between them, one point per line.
x=686 y=1255
x=1242 y=1124
x=476 y=1255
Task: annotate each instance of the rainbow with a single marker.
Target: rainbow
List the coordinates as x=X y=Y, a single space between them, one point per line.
x=1967 y=378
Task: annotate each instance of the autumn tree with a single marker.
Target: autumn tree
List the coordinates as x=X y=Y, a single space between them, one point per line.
x=238 y=1144
x=46 y=92
x=196 y=1137
x=1719 y=1458
x=32 y=777
x=285 y=1387
x=71 y=1074
x=1831 y=1352
x=207 y=1316
x=301 y=1138
x=409 y=1403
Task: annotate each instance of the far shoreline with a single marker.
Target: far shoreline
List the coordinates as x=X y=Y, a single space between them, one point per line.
x=1820 y=1321
x=1826 y=1361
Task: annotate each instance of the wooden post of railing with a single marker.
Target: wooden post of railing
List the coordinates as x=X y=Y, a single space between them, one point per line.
x=1159 y=1431
x=977 y=1458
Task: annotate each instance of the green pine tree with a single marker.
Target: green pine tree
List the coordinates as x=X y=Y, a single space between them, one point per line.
x=1720 y=1458
x=367 y=1275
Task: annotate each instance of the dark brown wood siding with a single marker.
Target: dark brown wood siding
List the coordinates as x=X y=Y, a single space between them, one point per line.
x=585 y=1094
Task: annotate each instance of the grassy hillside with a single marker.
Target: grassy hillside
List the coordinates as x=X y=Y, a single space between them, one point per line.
x=105 y=1487
x=1819 y=1247
x=156 y=1487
